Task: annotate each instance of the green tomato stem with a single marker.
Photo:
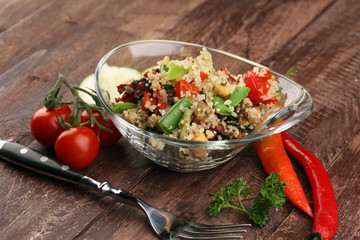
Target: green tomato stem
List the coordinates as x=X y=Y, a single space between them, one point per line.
x=52 y=100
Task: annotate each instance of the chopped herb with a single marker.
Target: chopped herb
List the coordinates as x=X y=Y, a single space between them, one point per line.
x=164 y=68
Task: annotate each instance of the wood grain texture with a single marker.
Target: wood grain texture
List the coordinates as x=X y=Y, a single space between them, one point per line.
x=320 y=37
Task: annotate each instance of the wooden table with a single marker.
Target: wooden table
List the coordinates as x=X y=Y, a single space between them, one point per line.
x=40 y=38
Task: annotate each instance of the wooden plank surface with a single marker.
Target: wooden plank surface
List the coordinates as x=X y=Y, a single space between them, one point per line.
x=38 y=39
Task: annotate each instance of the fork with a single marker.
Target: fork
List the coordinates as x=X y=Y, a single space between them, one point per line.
x=165 y=224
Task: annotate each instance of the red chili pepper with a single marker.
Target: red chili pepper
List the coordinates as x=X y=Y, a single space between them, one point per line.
x=325 y=207
x=273 y=158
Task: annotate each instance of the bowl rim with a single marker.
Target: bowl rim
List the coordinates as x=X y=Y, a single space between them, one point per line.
x=301 y=107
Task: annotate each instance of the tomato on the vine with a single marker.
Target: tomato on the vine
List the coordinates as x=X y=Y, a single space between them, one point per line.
x=106 y=138
x=77 y=147
x=45 y=127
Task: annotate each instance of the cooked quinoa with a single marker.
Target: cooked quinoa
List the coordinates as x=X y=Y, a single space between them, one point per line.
x=189 y=99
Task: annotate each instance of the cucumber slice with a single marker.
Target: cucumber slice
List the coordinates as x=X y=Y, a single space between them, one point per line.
x=87 y=84
x=111 y=77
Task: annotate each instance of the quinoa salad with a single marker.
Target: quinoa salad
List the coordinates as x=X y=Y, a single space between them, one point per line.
x=189 y=99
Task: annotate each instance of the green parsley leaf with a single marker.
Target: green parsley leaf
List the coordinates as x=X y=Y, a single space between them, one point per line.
x=219 y=201
x=234 y=194
x=259 y=213
x=237 y=187
x=273 y=190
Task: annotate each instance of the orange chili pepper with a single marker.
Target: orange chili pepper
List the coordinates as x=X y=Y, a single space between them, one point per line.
x=274 y=158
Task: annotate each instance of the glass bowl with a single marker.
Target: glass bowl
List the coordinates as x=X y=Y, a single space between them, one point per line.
x=181 y=155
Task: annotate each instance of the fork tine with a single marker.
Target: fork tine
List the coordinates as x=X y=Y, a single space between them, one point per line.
x=226 y=226
x=214 y=232
x=199 y=231
x=194 y=237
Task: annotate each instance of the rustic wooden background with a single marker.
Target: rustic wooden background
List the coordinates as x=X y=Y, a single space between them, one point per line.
x=40 y=38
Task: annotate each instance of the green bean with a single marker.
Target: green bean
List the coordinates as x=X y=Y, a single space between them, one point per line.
x=120 y=107
x=220 y=107
x=171 y=119
x=238 y=95
x=218 y=100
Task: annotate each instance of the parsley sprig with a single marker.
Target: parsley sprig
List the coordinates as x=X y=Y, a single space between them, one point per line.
x=233 y=195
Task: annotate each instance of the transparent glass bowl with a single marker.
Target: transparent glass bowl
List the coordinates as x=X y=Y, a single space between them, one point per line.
x=180 y=155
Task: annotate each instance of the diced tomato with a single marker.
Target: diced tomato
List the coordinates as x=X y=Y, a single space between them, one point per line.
x=203 y=76
x=259 y=86
x=219 y=128
x=215 y=134
x=268 y=74
x=239 y=136
x=148 y=98
x=160 y=100
x=146 y=74
x=229 y=75
x=183 y=86
x=153 y=71
x=136 y=85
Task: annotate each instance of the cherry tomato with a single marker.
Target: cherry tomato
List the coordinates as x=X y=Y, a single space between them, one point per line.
x=183 y=86
x=106 y=138
x=45 y=127
x=77 y=147
x=259 y=86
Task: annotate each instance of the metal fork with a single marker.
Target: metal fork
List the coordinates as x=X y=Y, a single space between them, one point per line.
x=165 y=224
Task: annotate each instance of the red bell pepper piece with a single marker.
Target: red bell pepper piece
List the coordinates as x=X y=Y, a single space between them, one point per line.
x=229 y=75
x=203 y=76
x=160 y=100
x=183 y=86
x=148 y=98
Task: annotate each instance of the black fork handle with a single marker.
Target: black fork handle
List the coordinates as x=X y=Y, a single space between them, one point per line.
x=28 y=158
x=32 y=160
